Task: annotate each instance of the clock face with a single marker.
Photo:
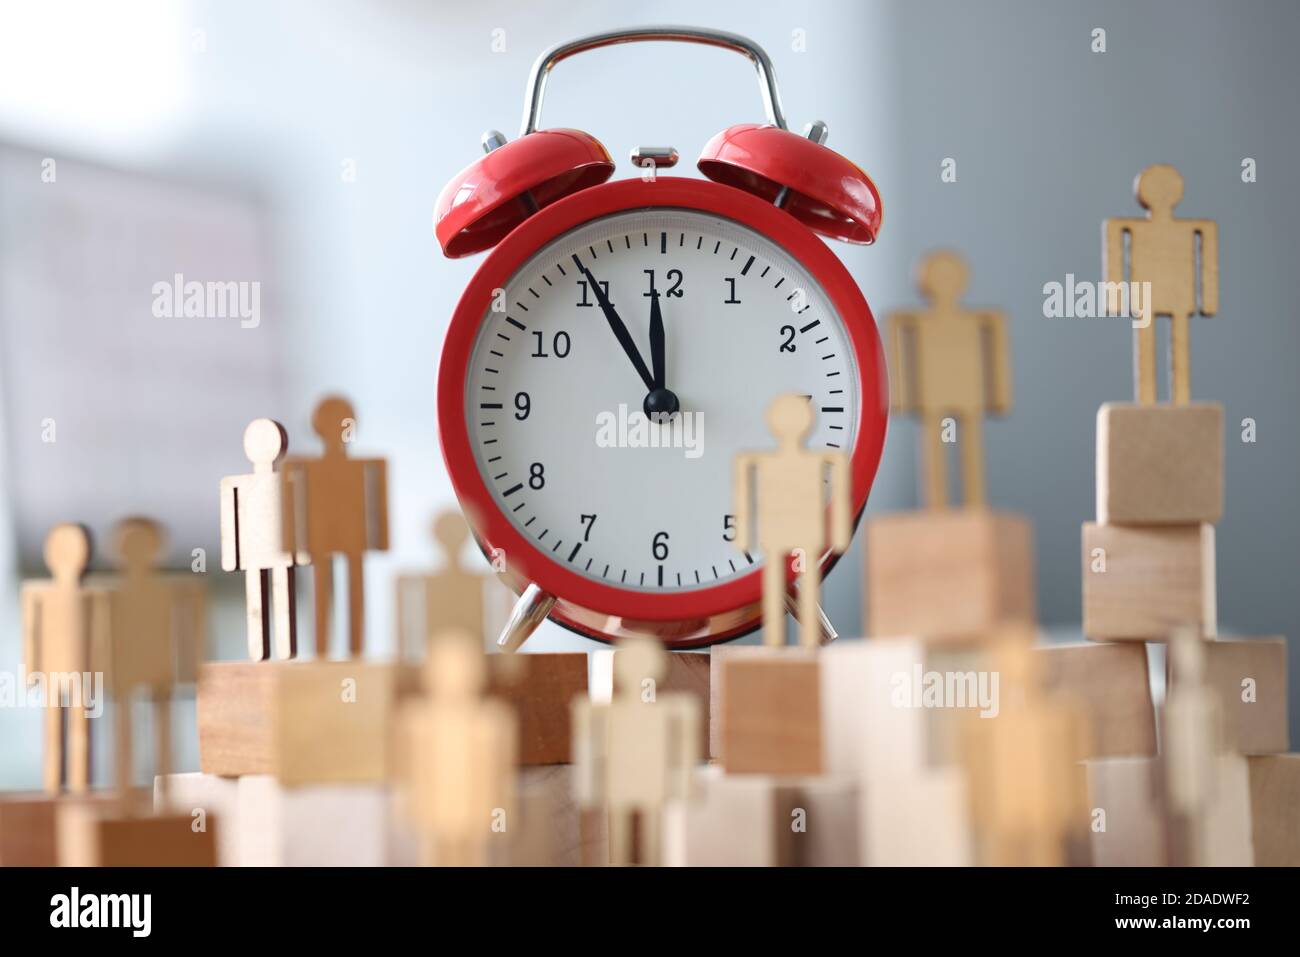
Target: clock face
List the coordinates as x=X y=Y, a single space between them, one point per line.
x=556 y=405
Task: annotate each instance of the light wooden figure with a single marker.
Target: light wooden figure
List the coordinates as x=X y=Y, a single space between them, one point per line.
x=789 y=486
x=60 y=646
x=1163 y=251
x=257 y=512
x=342 y=510
x=945 y=361
x=151 y=623
x=460 y=757
x=449 y=599
x=636 y=752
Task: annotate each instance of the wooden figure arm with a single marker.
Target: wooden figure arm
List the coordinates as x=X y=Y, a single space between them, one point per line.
x=1209 y=233
x=377 y=504
x=588 y=753
x=1112 y=248
x=293 y=503
x=101 y=634
x=841 y=495
x=31 y=610
x=901 y=325
x=192 y=606
x=998 y=391
x=742 y=501
x=229 y=524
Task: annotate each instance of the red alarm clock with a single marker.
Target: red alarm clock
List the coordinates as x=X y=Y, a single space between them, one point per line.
x=620 y=344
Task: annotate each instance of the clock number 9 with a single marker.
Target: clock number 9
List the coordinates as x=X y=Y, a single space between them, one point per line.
x=537 y=476
x=659 y=547
x=523 y=405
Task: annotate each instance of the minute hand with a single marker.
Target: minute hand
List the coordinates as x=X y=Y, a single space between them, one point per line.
x=616 y=324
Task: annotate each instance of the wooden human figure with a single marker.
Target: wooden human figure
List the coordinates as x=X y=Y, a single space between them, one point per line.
x=790 y=489
x=1162 y=251
x=257 y=538
x=450 y=598
x=60 y=639
x=460 y=756
x=1193 y=741
x=1028 y=793
x=342 y=507
x=151 y=624
x=949 y=361
x=636 y=751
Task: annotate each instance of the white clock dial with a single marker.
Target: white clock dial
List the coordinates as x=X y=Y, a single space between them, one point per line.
x=555 y=403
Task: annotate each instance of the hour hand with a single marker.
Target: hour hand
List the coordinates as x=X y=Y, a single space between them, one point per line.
x=616 y=324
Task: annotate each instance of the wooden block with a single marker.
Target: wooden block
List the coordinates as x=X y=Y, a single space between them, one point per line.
x=921 y=820
x=1128 y=823
x=326 y=825
x=99 y=835
x=822 y=816
x=306 y=722
x=1159 y=464
x=1275 y=809
x=551 y=829
x=29 y=829
x=864 y=733
x=771 y=712
x=1142 y=582
x=541 y=688
x=734 y=822
x=216 y=797
x=687 y=671
x=956 y=574
x=1249 y=679
x=1111 y=682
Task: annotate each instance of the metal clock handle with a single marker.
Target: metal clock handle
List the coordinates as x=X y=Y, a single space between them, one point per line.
x=714 y=38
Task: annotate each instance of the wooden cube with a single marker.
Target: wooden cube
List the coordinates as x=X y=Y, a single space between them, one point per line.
x=733 y=822
x=29 y=826
x=1275 y=809
x=1159 y=464
x=324 y=825
x=916 y=820
x=217 y=798
x=949 y=574
x=769 y=700
x=541 y=688
x=100 y=835
x=1113 y=686
x=688 y=671
x=306 y=722
x=550 y=828
x=1249 y=677
x=1143 y=582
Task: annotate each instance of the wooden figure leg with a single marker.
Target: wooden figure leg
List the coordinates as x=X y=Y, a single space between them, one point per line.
x=78 y=750
x=284 y=601
x=934 y=462
x=1180 y=366
x=123 y=756
x=255 y=600
x=323 y=594
x=971 y=442
x=53 y=764
x=810 y=632
x=774 y=599
x=620 y=837
x=1144 y=361
x=651 y=837
x=356 y=605
x=162 y=720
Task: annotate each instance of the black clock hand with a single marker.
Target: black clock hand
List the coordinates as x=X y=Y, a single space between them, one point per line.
x=616 y=324
x=657 y=343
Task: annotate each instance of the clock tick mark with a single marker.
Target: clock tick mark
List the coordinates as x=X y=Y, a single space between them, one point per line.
x=511 y=491
x=812 y=325
x=744 y=270
x=516 y=323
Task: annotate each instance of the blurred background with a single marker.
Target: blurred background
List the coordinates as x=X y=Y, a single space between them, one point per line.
x=301 y=146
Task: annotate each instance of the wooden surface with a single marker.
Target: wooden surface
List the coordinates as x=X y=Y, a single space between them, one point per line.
x=216 y=797
x=1159 y=464
x=1157 y=578
x=98 y=836
x=1112 y=684
x=949 y=360
x=1249 y=680
x=952 y=574
x=770 y=708
x=1129 y=791
x=1163 y=251
x=540 y=687
x=1274 y=800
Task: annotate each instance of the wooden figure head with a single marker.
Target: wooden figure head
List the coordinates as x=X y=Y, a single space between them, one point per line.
x=265 y=443
x=137 y=543
x=942 y=278
x=1159 y=188
x=333 y=416
x=451 y=532
x=636 y=659
x=456 y=667
x=67 y=551
x=790 y=419
x=1188 y=654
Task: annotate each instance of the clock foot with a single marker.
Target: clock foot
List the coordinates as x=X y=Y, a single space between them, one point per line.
x=828 y=631
x=530 y=611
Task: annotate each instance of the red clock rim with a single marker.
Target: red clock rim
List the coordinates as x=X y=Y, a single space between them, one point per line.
x=495 y=531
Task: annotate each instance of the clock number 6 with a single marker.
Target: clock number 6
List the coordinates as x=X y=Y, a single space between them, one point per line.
x=659 y=547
